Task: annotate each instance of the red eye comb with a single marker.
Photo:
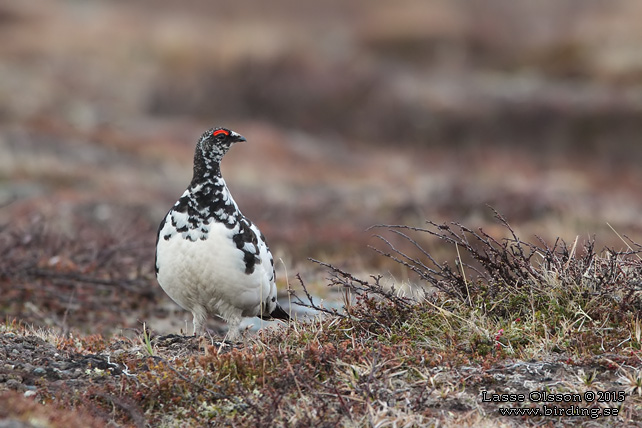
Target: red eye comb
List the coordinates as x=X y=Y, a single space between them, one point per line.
x=220 y=131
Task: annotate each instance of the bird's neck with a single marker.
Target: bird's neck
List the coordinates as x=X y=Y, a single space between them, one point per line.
x=206 y=168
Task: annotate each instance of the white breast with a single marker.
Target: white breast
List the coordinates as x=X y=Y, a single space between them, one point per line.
x=209 y=275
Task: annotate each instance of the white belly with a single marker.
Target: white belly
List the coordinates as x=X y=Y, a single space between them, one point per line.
x=209 y=275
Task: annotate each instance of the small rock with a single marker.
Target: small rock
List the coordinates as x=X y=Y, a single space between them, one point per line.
x=13 y=384
x=39 y=371
x=27 y=367
x=65 y=374
x=30 y=393
x=13 y=423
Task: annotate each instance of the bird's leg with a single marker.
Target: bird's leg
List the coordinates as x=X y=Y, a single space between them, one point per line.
x=233 y=332
x=199 y=316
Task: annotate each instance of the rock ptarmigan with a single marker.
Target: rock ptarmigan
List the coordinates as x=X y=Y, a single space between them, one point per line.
x=210 y=259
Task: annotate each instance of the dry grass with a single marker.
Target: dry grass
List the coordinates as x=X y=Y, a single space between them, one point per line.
x=509 y=317
x=358 y=113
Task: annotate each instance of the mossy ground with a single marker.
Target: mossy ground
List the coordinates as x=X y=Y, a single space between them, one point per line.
x=356 y=112
x=571 y=325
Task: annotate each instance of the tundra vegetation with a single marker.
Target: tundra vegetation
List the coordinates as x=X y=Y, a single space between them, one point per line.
x=496 y=144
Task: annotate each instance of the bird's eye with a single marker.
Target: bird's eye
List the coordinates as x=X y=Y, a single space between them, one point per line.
x=220 y=132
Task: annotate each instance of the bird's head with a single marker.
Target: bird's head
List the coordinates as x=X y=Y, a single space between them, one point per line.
x=217 y=141
x=211 y=148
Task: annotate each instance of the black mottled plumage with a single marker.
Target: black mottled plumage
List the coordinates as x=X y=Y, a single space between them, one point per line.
x=205 y=236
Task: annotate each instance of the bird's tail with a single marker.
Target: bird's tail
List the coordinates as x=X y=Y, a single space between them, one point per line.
x=278 y=313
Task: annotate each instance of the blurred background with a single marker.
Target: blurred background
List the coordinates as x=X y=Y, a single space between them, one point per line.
x=356 y=113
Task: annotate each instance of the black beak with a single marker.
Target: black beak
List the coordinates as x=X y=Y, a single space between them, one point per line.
x=237 y=137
